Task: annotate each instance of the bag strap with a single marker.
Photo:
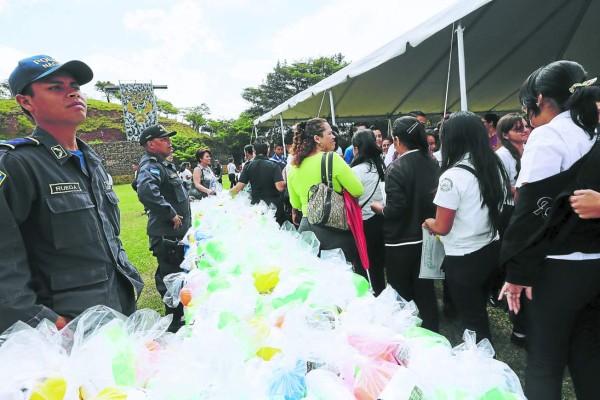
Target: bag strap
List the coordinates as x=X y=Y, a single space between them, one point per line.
x=323 y=169
x=330 y=169
x=466 y=168
x=374 y=190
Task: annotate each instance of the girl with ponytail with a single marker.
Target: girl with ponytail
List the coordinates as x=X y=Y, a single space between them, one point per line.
x=410 y=182
x=551 y=255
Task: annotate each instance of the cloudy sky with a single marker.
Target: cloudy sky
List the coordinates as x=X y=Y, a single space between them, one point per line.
x=206 y=51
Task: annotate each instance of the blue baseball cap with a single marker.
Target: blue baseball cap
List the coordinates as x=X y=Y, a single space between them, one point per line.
x=37 y=67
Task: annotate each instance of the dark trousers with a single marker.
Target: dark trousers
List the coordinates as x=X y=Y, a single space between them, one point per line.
x=402 y=265
x=277 y=202
x=333 y=239
x=468 y=278
x=232 y=181
x=373 y=229
x=564 y=330
x=166 y=266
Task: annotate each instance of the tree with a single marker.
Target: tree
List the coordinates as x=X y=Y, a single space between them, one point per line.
x=286 y=81
x=101 y=86
x=5 y=90
x=166 y=108
x=196 y=116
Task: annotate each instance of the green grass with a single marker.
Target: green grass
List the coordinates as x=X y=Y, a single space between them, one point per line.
x=135 y=240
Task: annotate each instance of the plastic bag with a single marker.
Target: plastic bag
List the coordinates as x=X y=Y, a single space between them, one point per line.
x=432 y=257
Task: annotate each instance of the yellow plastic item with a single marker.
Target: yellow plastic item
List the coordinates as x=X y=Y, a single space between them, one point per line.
x=50 y=389
x=266 y=280
x=111 y=393
x=266 y=353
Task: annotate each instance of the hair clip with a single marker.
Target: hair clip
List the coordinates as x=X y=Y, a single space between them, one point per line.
x=582 y=84
x=412 y=128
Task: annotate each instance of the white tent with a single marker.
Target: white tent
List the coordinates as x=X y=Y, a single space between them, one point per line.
x=504 y=41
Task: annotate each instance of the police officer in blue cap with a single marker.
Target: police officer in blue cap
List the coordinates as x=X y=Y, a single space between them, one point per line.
x=59 y=237
x=161 y=191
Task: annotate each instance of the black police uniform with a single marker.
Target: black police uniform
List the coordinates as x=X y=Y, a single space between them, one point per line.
x=59 y=238
x=263 y=173
x=161 y=191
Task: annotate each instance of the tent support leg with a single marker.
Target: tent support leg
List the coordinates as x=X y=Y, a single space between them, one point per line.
x=461 y=67
x=332 y=107
x=282 y=135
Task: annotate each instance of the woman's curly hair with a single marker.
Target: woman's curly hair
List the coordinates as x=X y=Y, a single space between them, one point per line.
x=304 y=142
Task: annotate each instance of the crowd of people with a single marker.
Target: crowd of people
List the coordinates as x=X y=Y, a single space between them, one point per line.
x=514 y=200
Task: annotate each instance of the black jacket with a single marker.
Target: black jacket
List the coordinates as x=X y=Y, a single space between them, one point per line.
x=544 y=223
x=59 y=235
x=410 y=184
x=161 y=191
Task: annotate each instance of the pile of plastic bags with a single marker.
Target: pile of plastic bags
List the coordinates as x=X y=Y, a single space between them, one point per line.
x=265 y=319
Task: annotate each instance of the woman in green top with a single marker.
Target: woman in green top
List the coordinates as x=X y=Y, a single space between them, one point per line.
x=311 y=139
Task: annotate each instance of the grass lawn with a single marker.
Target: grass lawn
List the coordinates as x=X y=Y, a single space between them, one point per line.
x=135 y=240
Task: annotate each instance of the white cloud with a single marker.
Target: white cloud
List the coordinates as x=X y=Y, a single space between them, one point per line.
x=11 y=57
x=180 y=30
x=207 y=51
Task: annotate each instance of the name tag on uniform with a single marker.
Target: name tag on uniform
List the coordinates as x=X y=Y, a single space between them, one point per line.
x=173 y=175
x=57 y=188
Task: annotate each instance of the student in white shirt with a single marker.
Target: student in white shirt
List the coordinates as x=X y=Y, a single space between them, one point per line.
x=231 y=173
x=513 y=132
x=471 y=191
x=368 y=167
x=186 y=174
x=562 y=278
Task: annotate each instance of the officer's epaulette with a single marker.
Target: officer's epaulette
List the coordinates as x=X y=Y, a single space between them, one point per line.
x=14 y=143
x=152 y=158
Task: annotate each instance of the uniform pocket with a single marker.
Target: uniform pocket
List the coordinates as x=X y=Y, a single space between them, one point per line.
x=112 y=196
x=76 y=290
x=180 y=192
x=72 y=219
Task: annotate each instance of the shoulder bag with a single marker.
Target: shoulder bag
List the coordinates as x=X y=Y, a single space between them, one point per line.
x=326 y=207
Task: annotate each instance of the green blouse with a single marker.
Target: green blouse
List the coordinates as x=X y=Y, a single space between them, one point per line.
x=301 y=178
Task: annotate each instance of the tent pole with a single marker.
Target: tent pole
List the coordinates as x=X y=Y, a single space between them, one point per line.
x=461 y=67
x=332 y=107
x=282 y=135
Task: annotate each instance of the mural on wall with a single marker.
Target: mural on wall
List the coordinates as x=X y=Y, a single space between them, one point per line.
x=139 y=108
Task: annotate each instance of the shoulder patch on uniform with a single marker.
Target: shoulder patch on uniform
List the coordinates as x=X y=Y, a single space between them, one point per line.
x=2 y=177
x=446 y=185
x=14 y=143
x=154 y=171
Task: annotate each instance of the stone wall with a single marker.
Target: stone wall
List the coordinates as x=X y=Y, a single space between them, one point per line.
x=119 y=156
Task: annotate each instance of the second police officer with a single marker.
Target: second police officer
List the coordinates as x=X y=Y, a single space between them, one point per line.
x=161 y=191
